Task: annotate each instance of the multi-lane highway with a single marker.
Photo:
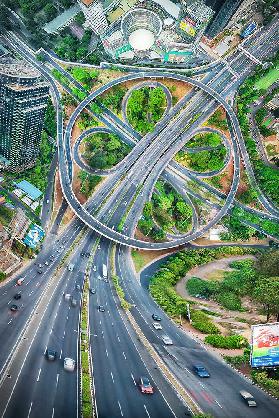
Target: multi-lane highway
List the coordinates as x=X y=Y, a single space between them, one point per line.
x=119 y=357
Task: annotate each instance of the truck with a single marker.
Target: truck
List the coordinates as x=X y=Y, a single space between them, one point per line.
x=105 y=271
x=71 y=267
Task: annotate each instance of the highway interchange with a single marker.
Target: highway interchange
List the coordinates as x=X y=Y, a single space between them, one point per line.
x=27 y=379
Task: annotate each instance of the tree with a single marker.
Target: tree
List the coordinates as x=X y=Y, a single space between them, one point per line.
x=267 y=293
x=268 y=263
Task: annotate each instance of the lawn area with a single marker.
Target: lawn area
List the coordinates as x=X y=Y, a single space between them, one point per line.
x=268 y=79
x=141 y=258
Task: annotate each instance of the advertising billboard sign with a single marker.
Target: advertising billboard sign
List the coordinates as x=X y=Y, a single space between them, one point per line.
x=265 y=345
x=188 y=26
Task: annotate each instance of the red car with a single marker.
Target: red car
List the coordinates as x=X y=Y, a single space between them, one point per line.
x=145 y=385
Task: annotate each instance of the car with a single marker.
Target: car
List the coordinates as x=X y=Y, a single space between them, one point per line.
x=73 y=302
x=13 y=308
x=106 y=280
x=46 y=263
x=249 y=399
x=20 y=281
x=17 y=296
x=156 y=317
x=94 y=268
x=39 y=271
x=99 y=247
x=69 y=364
x=167 y=340
x=51 y=354
x=77 y=287
x=82 y=254
x=145 y=385
x=47 y=201
x=87 y=255
x=156 y=325
x=67 y=296
x=92 y=291
x=200 y=370
x=40 y=266
x=101 y=308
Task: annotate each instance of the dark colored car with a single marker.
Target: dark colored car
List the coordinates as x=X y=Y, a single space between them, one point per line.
x=39 y=271
x=92 y=291
x=156 y=317
x=51 y=354
x=200 y=370
x=87 y=255
x=17 y=296
x=13 y=308
x=101 y=308
x=82 y=254
x=145 y=385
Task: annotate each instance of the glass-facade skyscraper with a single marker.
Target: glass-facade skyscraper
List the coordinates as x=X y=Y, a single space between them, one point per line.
x=23 y=101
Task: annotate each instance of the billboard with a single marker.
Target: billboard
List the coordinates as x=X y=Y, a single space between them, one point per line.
x=265 y=345
x=34 y=236
x=188 y=26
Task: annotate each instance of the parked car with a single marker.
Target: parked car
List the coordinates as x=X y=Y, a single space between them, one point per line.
x=167 y=340
x=77 y=286
x=13 y=308
x=94 y=268
x=156 y=317
x=20 y=281
x=39 y=271
x=17 y=296
x=157 y=326
x=73 y=302
x=69 y=364
x=92 y=291
x=101 y=308
x=249 y=399
x=51 y=354
x=145 y=385
x=46 y=263
x=201 y=370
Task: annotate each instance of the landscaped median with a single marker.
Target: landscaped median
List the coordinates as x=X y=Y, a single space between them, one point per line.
x=85 y=370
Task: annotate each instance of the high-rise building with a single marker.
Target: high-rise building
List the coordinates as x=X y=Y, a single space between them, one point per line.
x=194 y=16
x=94 y=14
x=23 y=102
x=224 y=11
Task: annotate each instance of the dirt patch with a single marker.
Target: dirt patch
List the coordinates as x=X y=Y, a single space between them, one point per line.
x=141 y=258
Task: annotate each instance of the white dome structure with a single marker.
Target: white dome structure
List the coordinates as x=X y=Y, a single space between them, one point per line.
x=141 y=27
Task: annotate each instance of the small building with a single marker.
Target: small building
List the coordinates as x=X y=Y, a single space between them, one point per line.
x=34 y=236
x=19 y=224
x=32 y=192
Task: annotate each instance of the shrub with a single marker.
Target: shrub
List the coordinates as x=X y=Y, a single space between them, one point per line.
x=262 y=379
x=230 y=301
x=221 y=341
x=239 y=360
x=202 y=322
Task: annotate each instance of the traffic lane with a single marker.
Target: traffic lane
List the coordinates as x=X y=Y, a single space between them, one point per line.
x=25 y=396
x=118 y=350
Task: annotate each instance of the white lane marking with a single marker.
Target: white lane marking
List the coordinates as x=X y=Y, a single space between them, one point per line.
x=118 y=338
x=57 y=378
x=64 y=333
x=120 y=409
x=31 y=293
x=201 y=385
x=112 y=377
x=52 y=415
x=38 y=377
x=218 y=404
x=124 y=355
x=9 y=301
x=10 y=321
x=132 y=376
x=5 y=293
x=29 y=412
x=107 y=352
x=28 y=282
x=37 y=284
x=146 y=411
x=100 y=322
x=60 y=354
x=67 y=317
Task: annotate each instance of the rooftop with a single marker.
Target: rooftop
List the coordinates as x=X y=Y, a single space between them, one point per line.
x=16 y=68
x=62 y=19
x=29 y=189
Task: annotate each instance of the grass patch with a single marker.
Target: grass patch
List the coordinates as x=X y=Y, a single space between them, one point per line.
x=268 y=79
x=216 y=275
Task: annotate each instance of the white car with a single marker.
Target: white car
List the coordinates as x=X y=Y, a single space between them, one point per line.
x=167 y=340
x=69 y=364
x=94 y=268
x=46 y=263
x=156 y=325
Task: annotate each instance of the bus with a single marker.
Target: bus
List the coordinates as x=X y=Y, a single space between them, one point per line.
x=105 y=271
